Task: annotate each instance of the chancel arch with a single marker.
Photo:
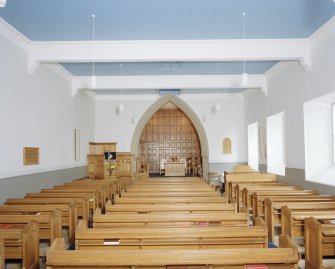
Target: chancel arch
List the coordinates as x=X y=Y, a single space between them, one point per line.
x=166 y=102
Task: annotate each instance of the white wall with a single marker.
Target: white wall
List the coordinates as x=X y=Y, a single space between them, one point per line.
x=253 y=145
x=38 y=111
x=289 y=86
x=227 y=122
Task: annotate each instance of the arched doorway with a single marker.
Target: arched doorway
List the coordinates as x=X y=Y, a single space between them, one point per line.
x=185 y=108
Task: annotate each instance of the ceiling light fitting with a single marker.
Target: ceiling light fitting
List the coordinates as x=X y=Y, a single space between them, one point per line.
x=121 y=76
x=93 y=77
x=244 y=74
x=218 y=105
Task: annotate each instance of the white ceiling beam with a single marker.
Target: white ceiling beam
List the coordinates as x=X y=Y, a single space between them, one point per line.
x=170 y=82
x=171 y=50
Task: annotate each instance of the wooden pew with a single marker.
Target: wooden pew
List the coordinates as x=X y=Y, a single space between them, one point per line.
x=238 y=189
x=68 y=213
x=82 y=203
x=21 y=244
x=319 y=242
x=172 y=238
x=100 y=193
x=170 y=194
x=245 y=178
x=89 y=200
x=285 y=256
x=273 y=210
x=163 y=208
x=168 y=219
x=258 y=200
x=247 y=192
x=292 y=220
x=50 y=226
x=248 y=201
x=112 y=186
x=140 y=183
x=116 y=185
x=2 y=254
x=169 y=180
x=170 y=189
x=164 y=200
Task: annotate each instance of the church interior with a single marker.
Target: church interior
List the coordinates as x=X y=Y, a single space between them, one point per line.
x=179 y=134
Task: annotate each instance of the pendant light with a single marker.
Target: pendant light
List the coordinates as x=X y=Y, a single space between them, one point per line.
x=121 y=75
x=217 y=105
x=93 y=77
x=244 y=74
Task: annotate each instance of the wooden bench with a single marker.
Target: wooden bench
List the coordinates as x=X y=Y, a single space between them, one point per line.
x=171 y=189
x=169 y=219
x=169 y=180
x=247 y=192
x=258 y=200
x=101 y=193
x=238 y=189
x=196 y=237
x=82 y=203
x=248 y=201
x=2 y=254
x=175 y=207
x=170 y=194
x=164 y=200
x=273 y=210
x=319 y=242
x=292 y=220
x=21 y=244
x=68 y=213
x=244 y=178
x=50 y=226
x=154 y=183
x=112 y=186
x=89 y=201
x=285 y=257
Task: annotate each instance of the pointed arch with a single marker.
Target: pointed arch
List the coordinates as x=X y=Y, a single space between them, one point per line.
x=188 y=111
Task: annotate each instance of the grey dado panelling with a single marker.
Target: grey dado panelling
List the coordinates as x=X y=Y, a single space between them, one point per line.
x=221 y=167
x=296 y=177
x=17 y=187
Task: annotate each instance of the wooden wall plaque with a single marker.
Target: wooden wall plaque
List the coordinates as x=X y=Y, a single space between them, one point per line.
x=31 y=156
x=226 y=146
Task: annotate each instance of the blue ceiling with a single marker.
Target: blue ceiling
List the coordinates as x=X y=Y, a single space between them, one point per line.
x=45 y=20
x=71 y=20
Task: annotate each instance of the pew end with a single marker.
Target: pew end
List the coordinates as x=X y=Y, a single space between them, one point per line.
x=2 y=253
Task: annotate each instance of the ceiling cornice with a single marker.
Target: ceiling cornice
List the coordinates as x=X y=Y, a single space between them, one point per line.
x=13 y=35
x=324 y=32
x=170 y=82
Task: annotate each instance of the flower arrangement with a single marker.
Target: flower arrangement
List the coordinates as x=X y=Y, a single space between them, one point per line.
x=111 y=167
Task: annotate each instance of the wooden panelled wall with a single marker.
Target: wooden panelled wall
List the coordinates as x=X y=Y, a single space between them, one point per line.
x=168 y=134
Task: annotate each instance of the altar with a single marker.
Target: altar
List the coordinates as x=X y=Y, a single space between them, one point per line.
x=174 y=169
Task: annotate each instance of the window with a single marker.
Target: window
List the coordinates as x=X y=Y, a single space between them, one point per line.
x=253 y=152
x=275 y=133
x=319 y=133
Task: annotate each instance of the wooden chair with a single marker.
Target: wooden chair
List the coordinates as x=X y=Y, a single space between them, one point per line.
x=162 y=166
